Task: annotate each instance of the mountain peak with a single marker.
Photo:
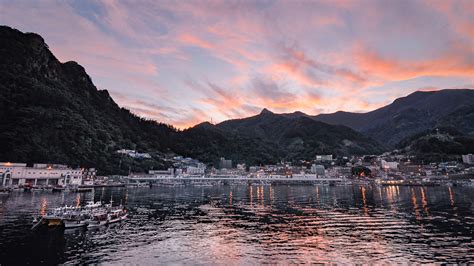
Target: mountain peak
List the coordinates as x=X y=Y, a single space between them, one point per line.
x=205 y=124
x=299 y=113
x=266 y=111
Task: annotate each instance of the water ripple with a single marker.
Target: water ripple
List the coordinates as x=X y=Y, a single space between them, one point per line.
x=252 y=225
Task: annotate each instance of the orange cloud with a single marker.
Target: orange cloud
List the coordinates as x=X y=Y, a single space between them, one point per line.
x=457 y=62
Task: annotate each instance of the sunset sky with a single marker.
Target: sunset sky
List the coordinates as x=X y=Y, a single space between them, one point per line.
x=185 y=62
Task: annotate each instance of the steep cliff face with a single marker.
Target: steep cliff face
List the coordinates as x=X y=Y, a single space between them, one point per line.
x=52 y=112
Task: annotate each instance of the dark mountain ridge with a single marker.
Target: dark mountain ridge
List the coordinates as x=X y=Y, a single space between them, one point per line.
x=415 y=113
x=440 y=144
x=300 y=136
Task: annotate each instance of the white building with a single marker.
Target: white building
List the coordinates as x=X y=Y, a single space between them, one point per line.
x=316 y=177
x=134 y=154
x=162 y=173
x=88 y=176
x=225 y=164
x=15 y=174
x=389 y=165
x=317 y=169
x=195 y=170
x=468 y=158
x=324 y=158
x=241 y=166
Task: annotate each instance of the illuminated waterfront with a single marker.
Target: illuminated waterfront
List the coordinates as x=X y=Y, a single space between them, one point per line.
x=251 y=224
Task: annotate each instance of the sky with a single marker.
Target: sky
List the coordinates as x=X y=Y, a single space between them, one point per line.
x=186 y=62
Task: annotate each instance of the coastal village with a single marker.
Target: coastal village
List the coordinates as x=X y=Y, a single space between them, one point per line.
x=385 y=169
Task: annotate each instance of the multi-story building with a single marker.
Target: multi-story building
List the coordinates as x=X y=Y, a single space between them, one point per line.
x=317 y=169
x=225 y=164
x=195 y=170
x=14 y=174
x=88 y=176
x=342 y=171
x=468 y=158
x=410 y=169
x=162 y=173
x=389 y=165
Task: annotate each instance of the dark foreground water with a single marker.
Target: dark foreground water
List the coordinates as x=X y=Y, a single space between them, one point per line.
x=251 y=225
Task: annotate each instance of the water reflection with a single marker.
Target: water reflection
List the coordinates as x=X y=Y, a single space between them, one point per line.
x=424 y=202
x=415 y=204
x=364 y=201
x=451 y=196
x=44 y=205
x=252 y=225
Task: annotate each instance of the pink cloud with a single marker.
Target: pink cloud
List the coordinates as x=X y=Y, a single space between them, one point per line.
x=188 y=39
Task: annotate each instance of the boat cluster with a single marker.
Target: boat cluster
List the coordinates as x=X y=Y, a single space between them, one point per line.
x=93 y=214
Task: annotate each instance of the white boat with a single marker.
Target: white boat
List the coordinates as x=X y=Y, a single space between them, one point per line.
x=93 y=205
x=75 y=219
x=117 y=215
x=74 y=223
x=98 y=219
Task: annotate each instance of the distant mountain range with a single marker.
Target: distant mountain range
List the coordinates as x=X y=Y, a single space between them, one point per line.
x=410 y=115
x=52 y=112
x=288 y=136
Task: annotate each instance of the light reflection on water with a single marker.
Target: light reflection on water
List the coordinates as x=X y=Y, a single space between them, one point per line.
x=251 y=224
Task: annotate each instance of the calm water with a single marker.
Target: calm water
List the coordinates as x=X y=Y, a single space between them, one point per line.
x=251 y=224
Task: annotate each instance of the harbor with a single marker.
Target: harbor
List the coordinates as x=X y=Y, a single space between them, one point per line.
x=182 y=224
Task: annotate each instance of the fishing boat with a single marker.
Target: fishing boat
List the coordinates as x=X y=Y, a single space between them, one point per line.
x=93 y=205
x=93 y=214
x=48 y=222
x=98 y=219
x=117 y=215
x=75 y=219
x=74 y=223
x=5 y=190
